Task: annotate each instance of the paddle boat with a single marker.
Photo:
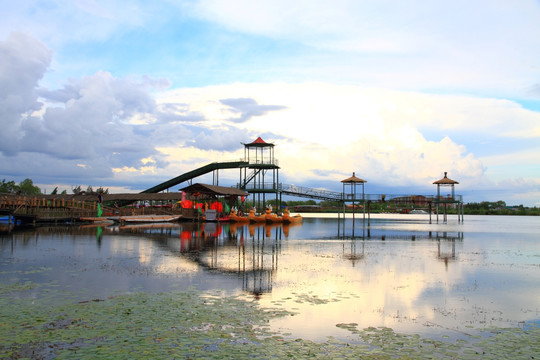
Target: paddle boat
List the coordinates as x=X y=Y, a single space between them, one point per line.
x=235 y=217
x=272 y=218
x=254 y=218
x=288 y=219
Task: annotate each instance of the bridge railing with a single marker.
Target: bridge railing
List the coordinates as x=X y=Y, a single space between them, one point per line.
x=260 y=186
x=311 y=192
x=264 y=162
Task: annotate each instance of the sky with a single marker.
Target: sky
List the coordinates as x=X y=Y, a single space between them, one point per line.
x=128 y=94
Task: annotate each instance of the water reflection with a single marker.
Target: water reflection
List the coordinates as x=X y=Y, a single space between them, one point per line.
x=250 y=252
x=409 y=276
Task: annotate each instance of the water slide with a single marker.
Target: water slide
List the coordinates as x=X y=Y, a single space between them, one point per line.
x=195 y=173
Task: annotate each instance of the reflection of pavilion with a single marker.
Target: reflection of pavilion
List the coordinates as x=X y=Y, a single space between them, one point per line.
x=354 y=248
x=250 y=251
x=354 y=254
x=446 y=246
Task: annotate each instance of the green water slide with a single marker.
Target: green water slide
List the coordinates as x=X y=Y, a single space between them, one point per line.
x=195 y=173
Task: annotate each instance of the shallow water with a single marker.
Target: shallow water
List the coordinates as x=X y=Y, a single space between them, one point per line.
x=443 y=281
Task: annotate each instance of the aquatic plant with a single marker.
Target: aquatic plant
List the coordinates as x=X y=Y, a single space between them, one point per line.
x=192 y=324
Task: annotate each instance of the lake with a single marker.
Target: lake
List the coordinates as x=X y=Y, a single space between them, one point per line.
x=442 y=281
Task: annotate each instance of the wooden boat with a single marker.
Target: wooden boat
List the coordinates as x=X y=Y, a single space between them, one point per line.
x=155 y=225
x=148 y=218
x=288 y=219
x=97 y=220
x=234 y=217
x=253 y=218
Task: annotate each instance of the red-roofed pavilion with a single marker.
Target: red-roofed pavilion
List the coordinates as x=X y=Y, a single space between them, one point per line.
x=261 y=176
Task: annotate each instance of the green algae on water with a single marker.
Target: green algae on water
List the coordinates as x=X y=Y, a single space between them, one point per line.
x=192 y=324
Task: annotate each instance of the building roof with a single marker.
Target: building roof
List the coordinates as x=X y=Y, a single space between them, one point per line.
x=353 y=179
x=259 y=142
x=445 y=181
x=214 y=190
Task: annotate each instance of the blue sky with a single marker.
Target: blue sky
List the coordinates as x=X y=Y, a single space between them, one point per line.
x=127 y=94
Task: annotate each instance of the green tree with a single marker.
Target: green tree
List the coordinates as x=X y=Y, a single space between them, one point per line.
x=101 y=190
x=27 y=187
x=8 y=187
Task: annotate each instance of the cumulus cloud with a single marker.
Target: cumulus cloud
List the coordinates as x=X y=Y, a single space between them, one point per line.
x=92 y=125
x=95 y=118
x=100 y=126
x=23 y=62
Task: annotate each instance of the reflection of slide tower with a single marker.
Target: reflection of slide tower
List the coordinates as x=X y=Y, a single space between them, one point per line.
x=261 y=175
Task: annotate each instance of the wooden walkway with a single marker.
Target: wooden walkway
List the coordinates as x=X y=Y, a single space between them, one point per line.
x=71 y=208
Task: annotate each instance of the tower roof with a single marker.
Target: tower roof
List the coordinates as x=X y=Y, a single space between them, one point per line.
x=353 y=179
x=259 y=142
x=445 y=181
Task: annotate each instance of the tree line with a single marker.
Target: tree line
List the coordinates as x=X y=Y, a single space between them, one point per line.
x=27 y=187
x=473 y=208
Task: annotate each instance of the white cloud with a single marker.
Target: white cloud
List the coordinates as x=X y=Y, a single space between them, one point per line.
x=346 y=128
x=23 y=61
x=489 y=45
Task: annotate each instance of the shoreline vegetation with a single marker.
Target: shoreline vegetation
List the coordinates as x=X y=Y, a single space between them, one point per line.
x=482 y=208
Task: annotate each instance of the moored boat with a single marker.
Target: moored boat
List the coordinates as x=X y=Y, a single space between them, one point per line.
x=272 y=218
x=148 y=218
x=253 y=218
x=97 y=220
x=235 y=217
x=288 y=219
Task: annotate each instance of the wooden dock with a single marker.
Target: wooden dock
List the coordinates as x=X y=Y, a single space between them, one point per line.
x=59 y=209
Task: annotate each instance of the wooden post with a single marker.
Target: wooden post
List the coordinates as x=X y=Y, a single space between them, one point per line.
x=369 y=212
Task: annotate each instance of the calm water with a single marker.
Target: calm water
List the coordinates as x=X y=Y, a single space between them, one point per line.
x=438 y=280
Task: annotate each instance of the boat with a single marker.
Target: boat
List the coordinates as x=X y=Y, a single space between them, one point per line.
x=155 y=225
x=234 y=217
x=253 y=218
x=288 y=219
x=148 y=218
x=418 y=211
x=272 y=218
x=97 y=220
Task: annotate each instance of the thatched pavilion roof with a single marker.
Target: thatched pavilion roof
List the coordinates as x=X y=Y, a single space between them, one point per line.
x=353 y=179
x=445 y=181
